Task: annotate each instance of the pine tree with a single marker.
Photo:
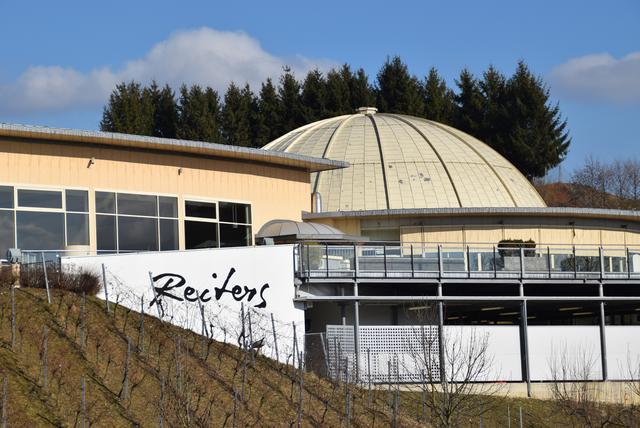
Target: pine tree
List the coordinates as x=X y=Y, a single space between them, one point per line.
x=397 y=90
x=199 y=114
x=291 y=109
x=268 y=115
x=360 y=91
x=468 y=114
x=337 y=94
x=538 y=138
x=129 y=110
x=494 y=124
x=438 y=98
x=313 y=96
x=165 y=111
x=236 y=116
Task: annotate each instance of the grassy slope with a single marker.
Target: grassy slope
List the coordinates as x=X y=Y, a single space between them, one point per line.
x=196 y=391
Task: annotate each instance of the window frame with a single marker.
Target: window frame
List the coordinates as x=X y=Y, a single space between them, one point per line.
x=217 y=221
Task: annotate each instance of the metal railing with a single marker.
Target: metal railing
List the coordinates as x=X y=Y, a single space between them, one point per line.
x=323 y=260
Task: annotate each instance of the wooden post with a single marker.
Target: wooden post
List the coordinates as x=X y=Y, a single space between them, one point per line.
x=106 y=287
x=46 y=278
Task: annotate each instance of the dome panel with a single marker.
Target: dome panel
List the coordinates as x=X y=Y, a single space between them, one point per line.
x=403 y=162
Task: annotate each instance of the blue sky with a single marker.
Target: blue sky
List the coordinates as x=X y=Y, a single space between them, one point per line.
x=60 y=59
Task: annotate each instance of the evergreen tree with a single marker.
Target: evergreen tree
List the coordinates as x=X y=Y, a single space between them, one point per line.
x=129 y=110
x=468 y=114
x=397 y=90
x=237 y=116
x=494 y=123
x=337 y=94
x=199 y=114
x=438 y=98
x=268 y=115
x=291 y=109
x=537 y=138
x=360 y=91
x=313 y=96
x=165 y=111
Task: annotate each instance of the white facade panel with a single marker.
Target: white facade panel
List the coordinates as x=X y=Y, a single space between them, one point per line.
x=569 y=352
x=623 y=351
x=212 y=283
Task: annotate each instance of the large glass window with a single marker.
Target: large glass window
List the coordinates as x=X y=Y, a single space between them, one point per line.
x=39 y=198
x=132 y=222
x=6 y=197
x=77 y=217
x=40 y=230
x=221 y=224
x=7 y=239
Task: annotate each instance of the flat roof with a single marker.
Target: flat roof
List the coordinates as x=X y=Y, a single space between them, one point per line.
x=171 y=145
x=626 y=215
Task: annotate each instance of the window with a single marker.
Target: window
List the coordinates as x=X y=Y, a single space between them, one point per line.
x=38 y=219
x=133 y=222
x=77 y=217
x=213 y=225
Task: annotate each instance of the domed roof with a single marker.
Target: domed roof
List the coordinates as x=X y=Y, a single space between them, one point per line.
x=403 y=162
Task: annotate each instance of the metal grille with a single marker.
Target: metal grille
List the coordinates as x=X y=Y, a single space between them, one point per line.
x=387 y=353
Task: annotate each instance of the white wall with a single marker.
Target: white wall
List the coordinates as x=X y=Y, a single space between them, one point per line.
x=623 y=351
x=262 y=280
x=503 y=348
x=575 y=347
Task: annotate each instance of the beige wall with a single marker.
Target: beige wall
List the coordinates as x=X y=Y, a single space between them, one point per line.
x=550 y=234
x=274 y=192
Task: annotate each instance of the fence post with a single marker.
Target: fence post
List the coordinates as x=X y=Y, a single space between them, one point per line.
x=155 y=295
x=141 y=330
x=5 y=397
x=301 y=389
x=495 y=265
x=45 y=357
x=549 y=260
x=384 y=255
x=46 y=278
x=440 y=264
x=84 y=402
x=275 y=337
x=521 y=421
x=522 y=269
x=295 y=344
x=468 y=262
x=628 y=263
x=106 y=287
x=347 y=395
x=575 y=263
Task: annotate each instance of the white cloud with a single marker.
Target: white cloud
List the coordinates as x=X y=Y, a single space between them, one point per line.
x=599 y=77
x=204 y=56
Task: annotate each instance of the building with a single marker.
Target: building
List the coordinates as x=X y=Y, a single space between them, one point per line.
x=86 y=192
x=400 y=214
x=453 y=226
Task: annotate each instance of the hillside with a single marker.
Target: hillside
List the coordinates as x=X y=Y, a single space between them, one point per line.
x=573 y=195
x=170 y=377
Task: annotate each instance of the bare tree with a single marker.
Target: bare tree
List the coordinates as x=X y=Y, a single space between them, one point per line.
x=451 y=371
x=575 y=391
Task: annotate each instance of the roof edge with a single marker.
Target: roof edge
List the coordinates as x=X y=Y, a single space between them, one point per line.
x=198 y=148
x=484 y=211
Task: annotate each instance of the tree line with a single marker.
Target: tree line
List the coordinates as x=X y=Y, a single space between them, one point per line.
x=613 y=185
x=514 y=114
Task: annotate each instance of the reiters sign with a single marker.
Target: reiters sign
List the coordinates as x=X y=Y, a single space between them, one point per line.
x=205 y=290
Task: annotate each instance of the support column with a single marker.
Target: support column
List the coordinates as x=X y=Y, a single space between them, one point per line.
x=603 y=337
x=441 y=343
x=524 y=341
x=356 y=321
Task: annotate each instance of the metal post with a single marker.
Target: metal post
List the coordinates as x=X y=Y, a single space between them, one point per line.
x=495 y=267
x=275 y=337
x=549 y=261
x=628 y=263
x=326 y=258
x=440 y=268
x=441 y=359
x=524 y=344
x=355 y=262
x=601 y=254
x=468 y=263
x=155 y=295
x=46 y=278
x=521 y=262
x=308 y=260
x=356 y=317
x=603 y=337
x=384 y=255
x=575 y=263
x=106 y=288
x=412 y=266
